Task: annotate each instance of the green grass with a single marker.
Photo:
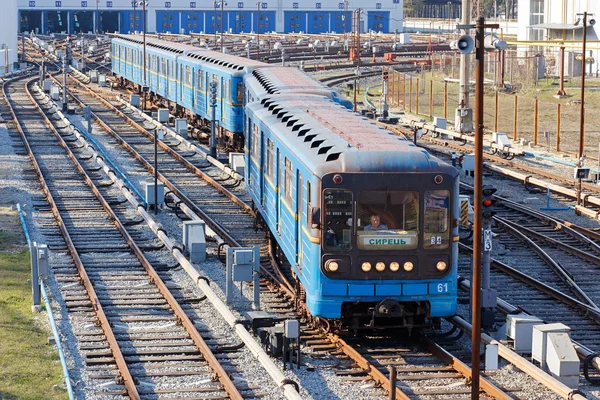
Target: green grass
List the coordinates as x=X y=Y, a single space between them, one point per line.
x=29 y=366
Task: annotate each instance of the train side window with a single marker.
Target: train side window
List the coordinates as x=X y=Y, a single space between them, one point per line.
x=255 y=142
x=287 y=181
x=188 y=78
x=308 y=204
x=200 y=80
x=239 y=92
x=270 y=159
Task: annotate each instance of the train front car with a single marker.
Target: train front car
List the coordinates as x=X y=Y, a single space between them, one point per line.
x=388 y=250
x=367 y=220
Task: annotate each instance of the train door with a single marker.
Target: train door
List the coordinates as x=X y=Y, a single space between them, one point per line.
x=193 y=85
x=206 y=97
x=279 y=193
x=222 y=101
x=299 y=197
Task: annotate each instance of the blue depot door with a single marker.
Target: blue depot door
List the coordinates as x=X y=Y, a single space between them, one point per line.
x=379 y=21
x=167 y=21
x=192 y=21
x=318 y=22
x=340 y=21
x=240 y=21
x=294 y=21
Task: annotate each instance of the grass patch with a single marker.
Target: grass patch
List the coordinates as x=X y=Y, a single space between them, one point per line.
x=29 y=367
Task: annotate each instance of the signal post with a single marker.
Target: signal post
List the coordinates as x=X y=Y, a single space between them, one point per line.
x=483 y=202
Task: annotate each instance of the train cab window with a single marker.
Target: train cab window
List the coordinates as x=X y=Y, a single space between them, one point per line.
x=436 y=232
x=387 y=220
x=338 y=219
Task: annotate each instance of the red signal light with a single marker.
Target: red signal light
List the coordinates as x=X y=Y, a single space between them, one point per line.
x=488 y=202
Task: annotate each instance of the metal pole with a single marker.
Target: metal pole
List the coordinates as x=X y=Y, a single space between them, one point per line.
x=445 y=100
x=393 y=378
x=465 y=59
x=535 y=121
x=64 y=107
x=558 y=127
x=516 y=113
x=155 y=171
x=477 y=226
x=23 y=44
x=561 y=90
x=215 y=22
x=582 y=110
x=97 y=19
x=222 y=27
x=496 y=114
x=144 y=40
x=431 y=99
x=83 y=54
x=258 y=31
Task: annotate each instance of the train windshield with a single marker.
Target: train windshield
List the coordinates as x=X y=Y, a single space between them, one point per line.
x=436 y=232
x=338 y=219
x=387 y=220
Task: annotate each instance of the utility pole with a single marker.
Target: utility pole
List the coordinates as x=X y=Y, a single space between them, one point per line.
x=258 y=31
x=580 y=160
x=355 y=53
x=464 y=113
x=222 y=3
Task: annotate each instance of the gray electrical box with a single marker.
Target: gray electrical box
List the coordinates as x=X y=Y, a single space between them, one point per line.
x=42 y=255
x=150 y=193
x=242 y=265
x=134 y=100
x=181 y=127
x=520 y=329
x=540 y=339
x=163 y=115
x=291 y=328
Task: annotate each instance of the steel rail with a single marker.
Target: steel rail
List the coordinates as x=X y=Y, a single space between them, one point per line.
x=559 y=269
x=222 y=232
x=104 y=323
x=185 y=321
x=486 y=385
x=576 y=232
x=564 y=298
x=521 y=363
x=363 y=363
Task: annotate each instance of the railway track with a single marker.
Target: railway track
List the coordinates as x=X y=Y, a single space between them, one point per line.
x=375 y=370
x=281 y=305
x=145 y=341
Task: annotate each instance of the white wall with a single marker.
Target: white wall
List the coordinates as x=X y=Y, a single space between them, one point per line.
x=8 y=31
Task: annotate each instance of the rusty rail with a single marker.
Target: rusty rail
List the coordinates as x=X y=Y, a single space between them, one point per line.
x=220 y=373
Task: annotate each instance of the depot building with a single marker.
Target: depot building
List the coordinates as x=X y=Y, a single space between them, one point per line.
x=202 y=16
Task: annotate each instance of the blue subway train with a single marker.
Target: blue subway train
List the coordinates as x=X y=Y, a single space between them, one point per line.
x=182 y=73
x=366 y=220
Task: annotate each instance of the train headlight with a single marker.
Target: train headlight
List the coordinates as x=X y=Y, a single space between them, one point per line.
x=394 y=266
x=441 y=265
x=408 y=266
x=332 y=266
x=380 y=266
x=366 y=266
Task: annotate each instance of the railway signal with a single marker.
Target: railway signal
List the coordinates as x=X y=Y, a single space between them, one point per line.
x=488 y=201
x=385 y=75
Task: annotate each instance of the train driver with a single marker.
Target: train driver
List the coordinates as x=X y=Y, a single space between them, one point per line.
x=375 y=224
